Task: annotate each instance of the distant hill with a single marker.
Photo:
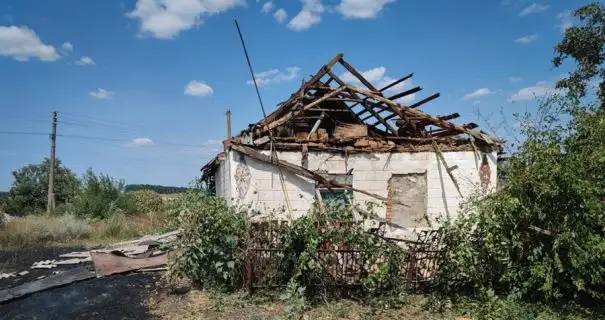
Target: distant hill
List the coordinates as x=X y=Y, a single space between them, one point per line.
x=157 y=188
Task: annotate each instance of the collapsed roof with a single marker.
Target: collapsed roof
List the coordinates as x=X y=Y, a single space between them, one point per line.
x=328 y=113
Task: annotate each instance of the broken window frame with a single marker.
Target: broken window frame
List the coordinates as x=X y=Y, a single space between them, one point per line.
x=328 y=195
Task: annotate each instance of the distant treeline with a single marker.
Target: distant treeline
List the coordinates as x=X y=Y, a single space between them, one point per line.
x=156 y=188
x=3 y=194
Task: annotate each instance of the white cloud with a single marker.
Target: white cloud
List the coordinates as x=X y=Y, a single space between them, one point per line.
x=67 y=46
x=362 y=9
x=378 y=77
x=309 y=15
x=527 y=39
x=140 y=142
x=280 y=15
x=165 y=19
x=533 y=8
x=22 y=44
x=514 y=79
x=565 y=20
x=541 y=88
x=85 y=61
x=271 y=76
x=267 y=7
x=101 y=93
x=198 y=88
x=482 y=92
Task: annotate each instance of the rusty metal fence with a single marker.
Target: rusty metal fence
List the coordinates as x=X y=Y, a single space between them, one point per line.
x=340 y=267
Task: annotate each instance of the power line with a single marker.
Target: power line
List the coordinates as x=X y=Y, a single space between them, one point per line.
x=25 y=133
x=166 y=143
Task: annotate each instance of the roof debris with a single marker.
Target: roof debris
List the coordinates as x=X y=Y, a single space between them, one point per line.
x=326 y=113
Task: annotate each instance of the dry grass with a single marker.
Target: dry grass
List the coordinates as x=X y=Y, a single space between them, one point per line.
x=201 y=305
x=47 y=230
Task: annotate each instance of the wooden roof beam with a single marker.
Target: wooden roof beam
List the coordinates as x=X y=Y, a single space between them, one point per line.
x=394 y=97
x=417 y=113
x=325 y=68
x=357 y=75
x=294 y=113
x=344 y=85
x=421 y=122
x=386 y=88
x=415 y=105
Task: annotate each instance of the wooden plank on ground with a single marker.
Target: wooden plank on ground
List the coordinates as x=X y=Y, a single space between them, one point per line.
x=61 y=279
x=108 y=264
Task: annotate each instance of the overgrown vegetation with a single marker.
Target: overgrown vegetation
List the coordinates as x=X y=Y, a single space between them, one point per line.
x=101 y=196
x=213 y=240
x=541 y=237
x=45 y=230
x=28 y=194
x=216 y=237
x=154 y=187
x=145 y=201
x=93 y=208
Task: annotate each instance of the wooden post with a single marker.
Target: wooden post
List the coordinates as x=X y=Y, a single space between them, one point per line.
x=51 y=171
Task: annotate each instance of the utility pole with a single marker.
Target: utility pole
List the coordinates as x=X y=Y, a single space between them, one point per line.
x=51 y=172
x=228 y=124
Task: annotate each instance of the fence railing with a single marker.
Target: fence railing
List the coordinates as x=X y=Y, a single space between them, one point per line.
x=341 y=266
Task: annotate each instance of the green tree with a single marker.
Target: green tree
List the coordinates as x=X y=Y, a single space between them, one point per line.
x=101 y=196
x=29 y=191
x=585 y=44
x=542 y=235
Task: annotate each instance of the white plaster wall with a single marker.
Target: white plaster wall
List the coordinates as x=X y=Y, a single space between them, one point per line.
x=371 y=172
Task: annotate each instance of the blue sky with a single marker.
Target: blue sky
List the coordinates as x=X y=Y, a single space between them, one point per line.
x=153 y=78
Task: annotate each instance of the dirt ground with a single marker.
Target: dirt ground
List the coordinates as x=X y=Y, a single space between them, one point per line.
x=115 y=297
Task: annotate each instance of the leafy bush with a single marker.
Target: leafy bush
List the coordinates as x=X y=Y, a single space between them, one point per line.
x=334 y=229
x=146 y=201
x=100 y=197
x=215 y=237
x=213 y=240
x=541 y=236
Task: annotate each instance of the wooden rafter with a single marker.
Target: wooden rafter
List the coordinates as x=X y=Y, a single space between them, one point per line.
x=415 y=105
x=357 y=75
x=394 y=83
x=327 y=94
x=414 y=112
x=391 y=128
x=394 y=97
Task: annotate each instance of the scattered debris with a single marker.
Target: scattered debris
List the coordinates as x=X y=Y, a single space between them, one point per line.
x=73 y=261
x=46 y=264
x=108 y=264
x=83 y=254
x=67 y=277
x=143 y=255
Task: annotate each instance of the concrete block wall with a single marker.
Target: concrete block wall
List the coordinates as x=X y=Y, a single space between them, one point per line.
x=371 y=172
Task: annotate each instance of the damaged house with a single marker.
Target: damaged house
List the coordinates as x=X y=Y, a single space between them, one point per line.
x=335 y=140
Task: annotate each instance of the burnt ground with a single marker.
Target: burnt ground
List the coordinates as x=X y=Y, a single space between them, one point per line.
x=113 y=297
